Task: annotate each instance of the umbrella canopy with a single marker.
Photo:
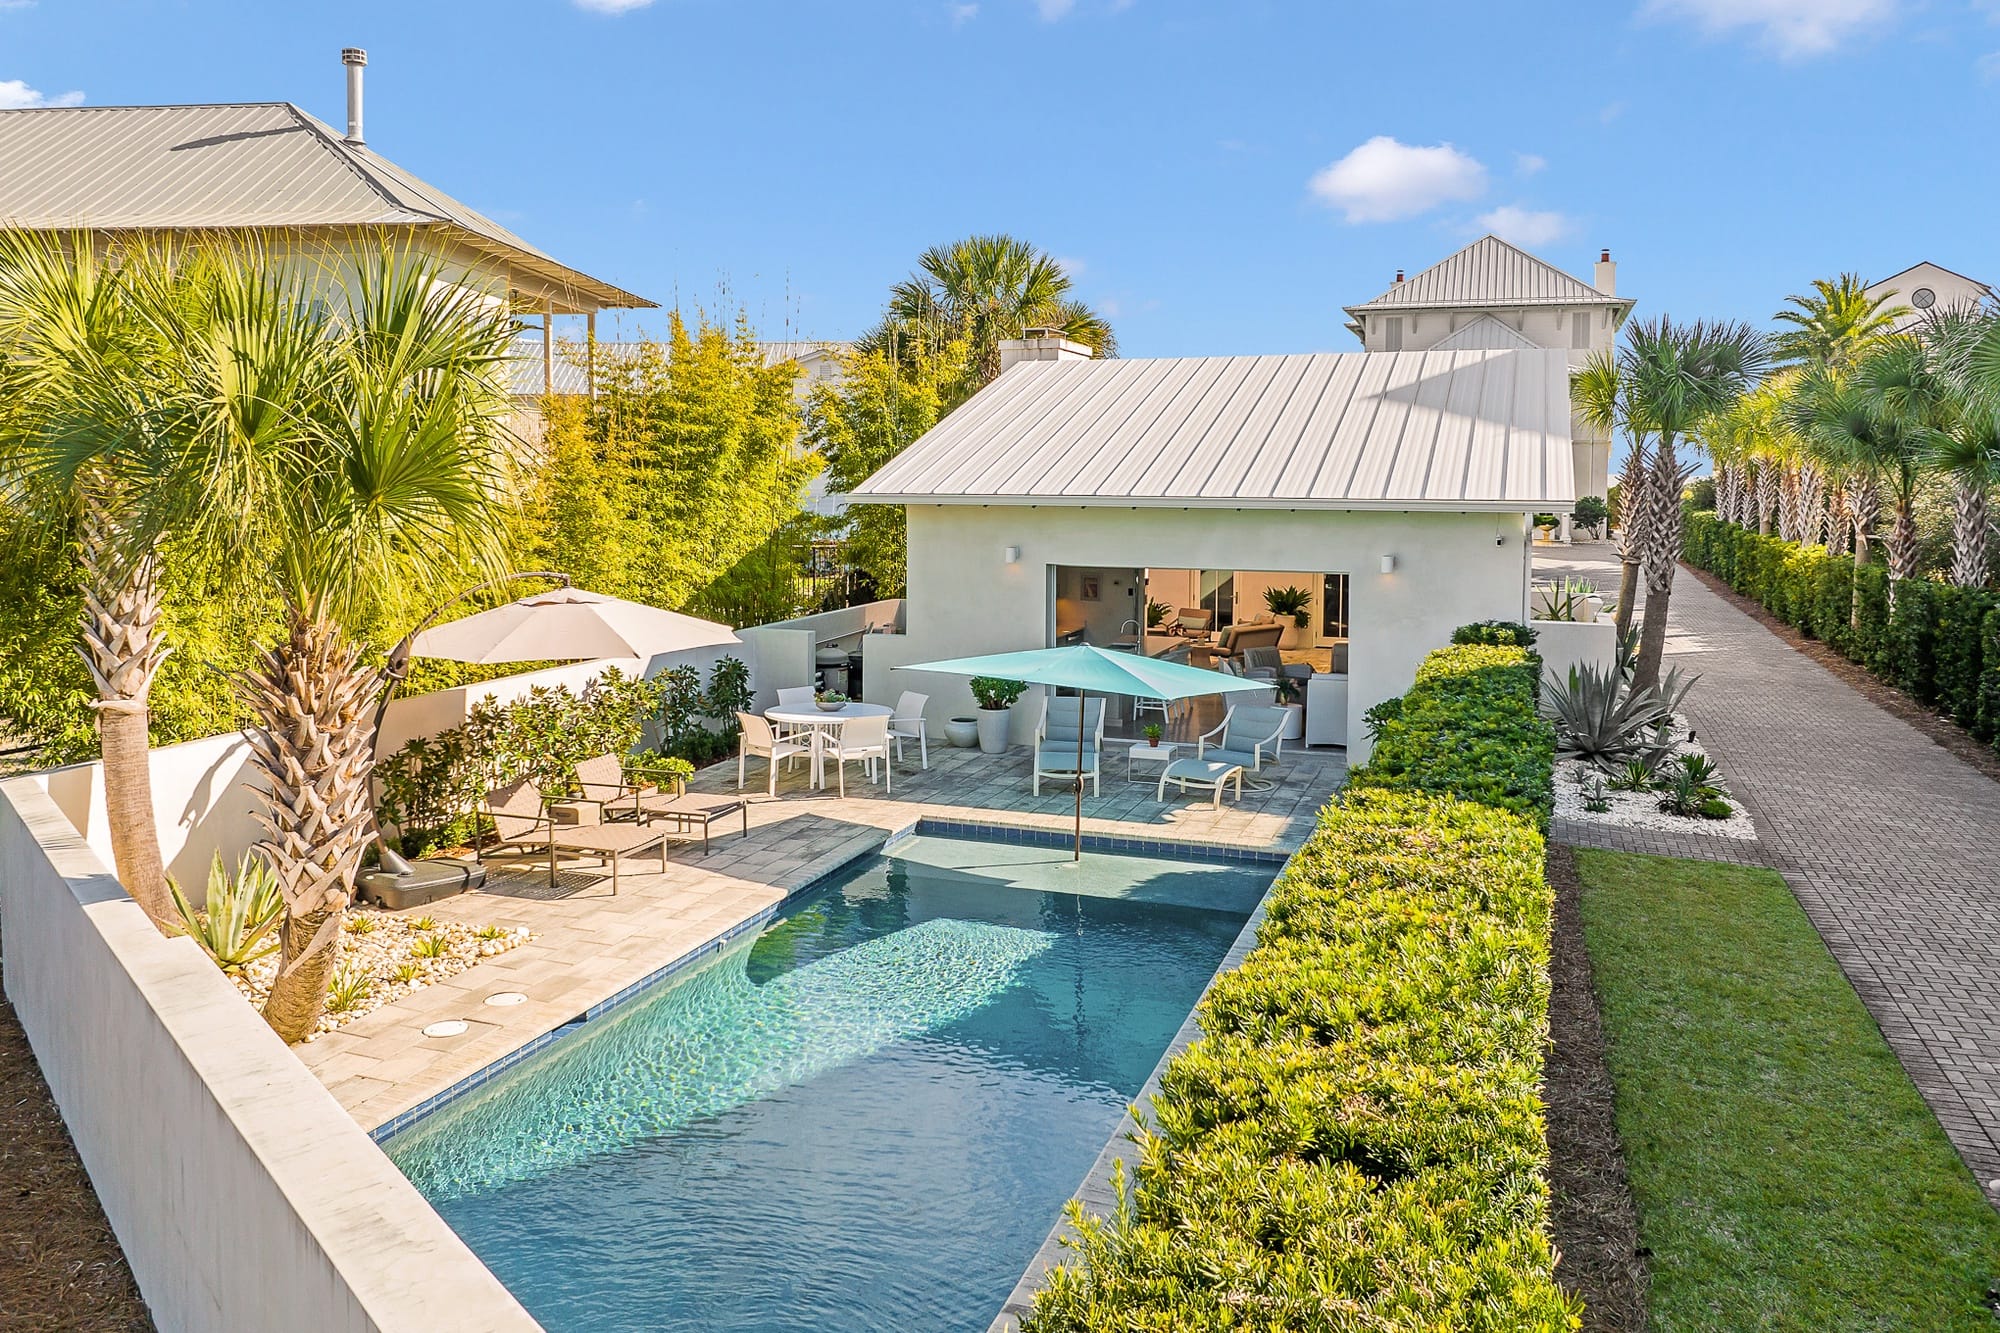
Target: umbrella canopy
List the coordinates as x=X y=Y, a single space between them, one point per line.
x=1094 y=671
x=568 y=624
x=1098 y=671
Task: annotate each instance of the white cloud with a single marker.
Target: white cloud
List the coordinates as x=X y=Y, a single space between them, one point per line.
x=1794 y=29
x=961 y=14
x=612 y=6
x=1524 y=226
x=16 y=95
x=1529 y=164
x=1988 y=67
x=1052 y=10
x=1384 y=180
x=1610 y=112
x=1073 y=267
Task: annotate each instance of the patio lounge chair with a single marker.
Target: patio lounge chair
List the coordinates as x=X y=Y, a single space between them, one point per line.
x=908 y=725
x=758 y=739
x=1236 y=640
x=1056 y=741
x=1191 y=622
x=519 y=820
x=691 y=810
x=1248 y=736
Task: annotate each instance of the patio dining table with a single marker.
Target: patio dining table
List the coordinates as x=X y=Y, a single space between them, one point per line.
x=820 y=722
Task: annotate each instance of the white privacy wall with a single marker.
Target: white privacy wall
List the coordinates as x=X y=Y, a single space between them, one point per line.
x=964 y=598
x=243 y=1196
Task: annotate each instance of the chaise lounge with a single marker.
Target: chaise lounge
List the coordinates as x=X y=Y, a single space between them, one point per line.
x=520 y=820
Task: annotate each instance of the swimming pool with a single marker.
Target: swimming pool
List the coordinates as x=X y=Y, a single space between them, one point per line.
x=866 y=1118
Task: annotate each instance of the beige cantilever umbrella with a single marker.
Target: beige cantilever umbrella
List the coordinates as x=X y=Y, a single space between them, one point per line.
x=568 y=624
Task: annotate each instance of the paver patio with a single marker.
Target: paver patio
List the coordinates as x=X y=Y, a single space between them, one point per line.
x=590 y=945
x=1890 y=843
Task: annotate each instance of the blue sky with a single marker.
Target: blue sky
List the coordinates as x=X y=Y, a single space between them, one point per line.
x=1223 y=176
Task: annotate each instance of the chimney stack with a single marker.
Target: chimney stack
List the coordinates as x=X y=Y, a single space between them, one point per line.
x=355 y=59
x=1399 y=275
x=1041 y=345
x=1606 y=277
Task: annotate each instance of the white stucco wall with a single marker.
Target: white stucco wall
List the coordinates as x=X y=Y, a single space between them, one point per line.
x=964 y=598
x=1564 y=644
x=243 y=1196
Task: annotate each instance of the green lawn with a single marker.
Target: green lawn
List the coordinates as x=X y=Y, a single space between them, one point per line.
x=1788 y=1175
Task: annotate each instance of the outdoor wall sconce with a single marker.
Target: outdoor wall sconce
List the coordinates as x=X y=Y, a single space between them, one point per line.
x=1388 y=564
x=1011 y=554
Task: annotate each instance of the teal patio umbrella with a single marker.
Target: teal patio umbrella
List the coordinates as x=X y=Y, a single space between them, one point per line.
x=1090 y=671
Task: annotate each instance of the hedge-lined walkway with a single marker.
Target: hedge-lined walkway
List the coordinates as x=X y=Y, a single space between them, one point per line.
x=1890 y=843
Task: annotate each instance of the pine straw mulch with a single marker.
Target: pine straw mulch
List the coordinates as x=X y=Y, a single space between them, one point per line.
x=1595 y=1221
x=60 y=1266
x=1948 y=734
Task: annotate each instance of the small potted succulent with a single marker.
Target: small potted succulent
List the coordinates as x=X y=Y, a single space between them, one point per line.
x=996 y=699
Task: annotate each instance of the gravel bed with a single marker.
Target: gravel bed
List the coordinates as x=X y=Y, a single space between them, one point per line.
x=383 y=946
x=1641 y=809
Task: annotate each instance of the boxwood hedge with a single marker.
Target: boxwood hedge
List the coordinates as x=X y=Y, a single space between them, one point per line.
x=1941 y=645
x=1356 y=1142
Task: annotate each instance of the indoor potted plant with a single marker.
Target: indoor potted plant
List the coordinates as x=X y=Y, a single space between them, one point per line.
x=1289 y=699
x=996 y=699
x=1290 y=605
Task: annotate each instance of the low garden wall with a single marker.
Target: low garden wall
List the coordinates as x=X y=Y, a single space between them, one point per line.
x=1563 y=644
x=1357 y=1138
x=243 y=1196
x=1941 y=644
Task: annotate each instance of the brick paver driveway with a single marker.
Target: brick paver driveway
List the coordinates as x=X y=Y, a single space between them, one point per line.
x=1891 y=844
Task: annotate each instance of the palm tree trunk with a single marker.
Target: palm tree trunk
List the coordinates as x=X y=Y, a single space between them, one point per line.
x=1632 y=510
x=313 y=697
x=123 y=650
x=1839 y=520
x=1663 y=553
x=1867 y=506
x=1812 y=504
x=1767 y=496
x=1902 y=541
x=1969 y=519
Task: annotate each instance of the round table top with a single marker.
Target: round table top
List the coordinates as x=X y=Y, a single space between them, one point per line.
x=814 y=713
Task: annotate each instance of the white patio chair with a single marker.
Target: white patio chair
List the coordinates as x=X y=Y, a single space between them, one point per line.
x=1056 y=741
x=797 y=696
x=862 y=738
x=908 y=725
x=759 y=741
x=1247 y=736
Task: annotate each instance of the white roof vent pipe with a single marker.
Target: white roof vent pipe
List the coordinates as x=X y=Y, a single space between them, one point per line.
x=356 y=60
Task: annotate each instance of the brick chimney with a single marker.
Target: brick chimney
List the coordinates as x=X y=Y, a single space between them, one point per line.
x=1606 y=277
x=1041 y=345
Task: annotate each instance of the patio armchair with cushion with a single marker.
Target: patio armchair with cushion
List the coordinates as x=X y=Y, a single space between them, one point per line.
x=1236 y=640
x=519 y=820
x=1191 y=622
x=1270 y=664
x=1249 y=736
x=1056 y=738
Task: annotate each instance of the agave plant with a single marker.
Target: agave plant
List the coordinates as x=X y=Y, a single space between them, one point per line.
x=1602 y=719
x=235 y=926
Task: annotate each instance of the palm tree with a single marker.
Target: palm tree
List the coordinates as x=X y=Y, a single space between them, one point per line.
x=97 y=444
x=1676 y=375
x=1834 y=324
x=1910 y=406
x=1968 y=349
x=393 y=487
x=985 y=289
x=1598 y=393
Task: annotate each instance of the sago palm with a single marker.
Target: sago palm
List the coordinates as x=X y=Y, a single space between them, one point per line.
x=106 y=361
x=985 y=289
x=1833 y=324
x=1676 y=375
x=394 y=489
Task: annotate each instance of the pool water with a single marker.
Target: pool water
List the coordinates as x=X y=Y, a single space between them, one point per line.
x=866 y=1118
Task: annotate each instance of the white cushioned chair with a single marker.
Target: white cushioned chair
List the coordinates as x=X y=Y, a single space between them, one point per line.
x=1056 y=741
x=1250 y=736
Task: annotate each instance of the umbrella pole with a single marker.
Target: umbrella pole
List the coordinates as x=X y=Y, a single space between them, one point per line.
x=1082 y=712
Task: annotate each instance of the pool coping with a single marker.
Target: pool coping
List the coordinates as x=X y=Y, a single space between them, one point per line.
x=972 y=830
x=1097 y=1192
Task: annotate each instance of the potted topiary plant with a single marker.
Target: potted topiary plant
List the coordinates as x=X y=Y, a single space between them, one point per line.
x=996 y=699
x=1545 y=527
x=1289 y=605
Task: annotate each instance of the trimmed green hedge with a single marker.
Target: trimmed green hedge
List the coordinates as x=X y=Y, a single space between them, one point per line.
x=1356 y=1142
x=1942 y=645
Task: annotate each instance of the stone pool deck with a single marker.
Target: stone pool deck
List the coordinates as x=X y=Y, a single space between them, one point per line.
x=591 y=946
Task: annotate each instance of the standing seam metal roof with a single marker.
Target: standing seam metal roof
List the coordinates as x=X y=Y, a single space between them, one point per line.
x=1448 y=430
x=246 y=166
x=1489 y=272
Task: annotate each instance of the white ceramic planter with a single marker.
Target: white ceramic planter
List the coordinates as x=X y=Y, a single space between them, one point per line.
x=962 y=732
x=1295 y=722
x=993 y=730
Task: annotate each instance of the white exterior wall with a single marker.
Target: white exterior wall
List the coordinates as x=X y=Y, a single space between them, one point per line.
x=243 y=1196
x=1564 y=644
x=965 y=599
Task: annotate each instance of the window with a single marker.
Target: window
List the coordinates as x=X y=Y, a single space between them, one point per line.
x=1392 y=333
x=1579 y=330
x=1333 y=606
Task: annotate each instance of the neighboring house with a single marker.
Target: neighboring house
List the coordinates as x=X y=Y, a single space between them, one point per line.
x=1927 y=287
x=1394 y=487
x=268 y=170
x=1495 y=296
